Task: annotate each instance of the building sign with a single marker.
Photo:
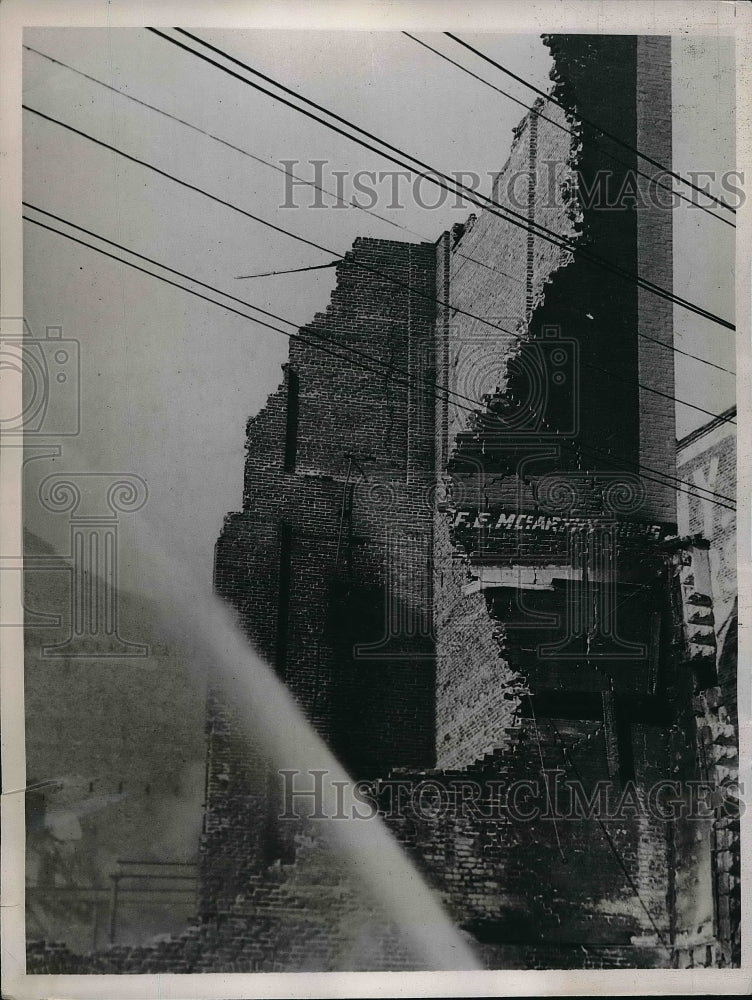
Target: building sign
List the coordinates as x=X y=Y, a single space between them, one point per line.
x=497 y=521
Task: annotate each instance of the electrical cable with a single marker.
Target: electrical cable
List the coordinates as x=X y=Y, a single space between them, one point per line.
x=609 y=840
x=350 y=204
x=258 y=159
x=408 y=379
x=533 y=110
x=434 y=176
x=585 y=121
x=334 y=253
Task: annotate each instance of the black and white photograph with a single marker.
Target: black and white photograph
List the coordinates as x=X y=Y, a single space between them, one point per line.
x=369 y=558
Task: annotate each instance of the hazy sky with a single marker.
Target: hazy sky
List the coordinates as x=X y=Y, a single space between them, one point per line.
x=168 y=381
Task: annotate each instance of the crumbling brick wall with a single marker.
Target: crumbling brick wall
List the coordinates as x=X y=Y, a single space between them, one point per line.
x=578 y=457
x=544 y=342
x=477 y=691
x=332 y=548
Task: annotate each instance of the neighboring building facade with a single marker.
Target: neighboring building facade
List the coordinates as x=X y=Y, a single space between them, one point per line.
x=706 y=459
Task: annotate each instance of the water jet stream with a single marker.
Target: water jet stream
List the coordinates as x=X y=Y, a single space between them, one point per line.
x=206 y=628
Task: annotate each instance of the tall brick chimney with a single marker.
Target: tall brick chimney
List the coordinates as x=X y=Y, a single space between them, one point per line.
x=655 y=316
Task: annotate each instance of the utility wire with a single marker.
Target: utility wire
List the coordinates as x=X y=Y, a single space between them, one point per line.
x=545 y=781
x=216 y=138
x=609 y=840
x=177 y=180
x=435 y=177
x=367 y=146
x=334 y=253
x=294 y=270
x=348 y=351
x=590 y=124
x=322 y=190
x=388 y=369
x=577 y=448
x=253 y=319
x=342 y=510
x=618 y=461
x=533 y=110
x=327 y=250
x=266 y=163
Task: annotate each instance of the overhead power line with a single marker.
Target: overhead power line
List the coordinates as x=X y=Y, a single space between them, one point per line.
x=267 y=163
x=619 y=462
x=590 y=124
x=334 y=253
x=172 y=177
x=351 y=203
x=216 y=138
x=346 y=352
x=382 y=370
x=294 y=270
x=539 y=114
x=435 y=176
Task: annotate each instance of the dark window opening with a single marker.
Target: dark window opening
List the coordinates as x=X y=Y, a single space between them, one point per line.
x=283 y=602
x=291 y=427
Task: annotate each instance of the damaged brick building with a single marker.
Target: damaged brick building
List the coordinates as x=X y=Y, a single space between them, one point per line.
x=470 y=565
x=458 y=547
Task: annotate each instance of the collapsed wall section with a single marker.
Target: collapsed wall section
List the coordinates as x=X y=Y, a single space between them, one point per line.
x=490 y=275
x=328 y=563
x=516 y=846
x=477 y=691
